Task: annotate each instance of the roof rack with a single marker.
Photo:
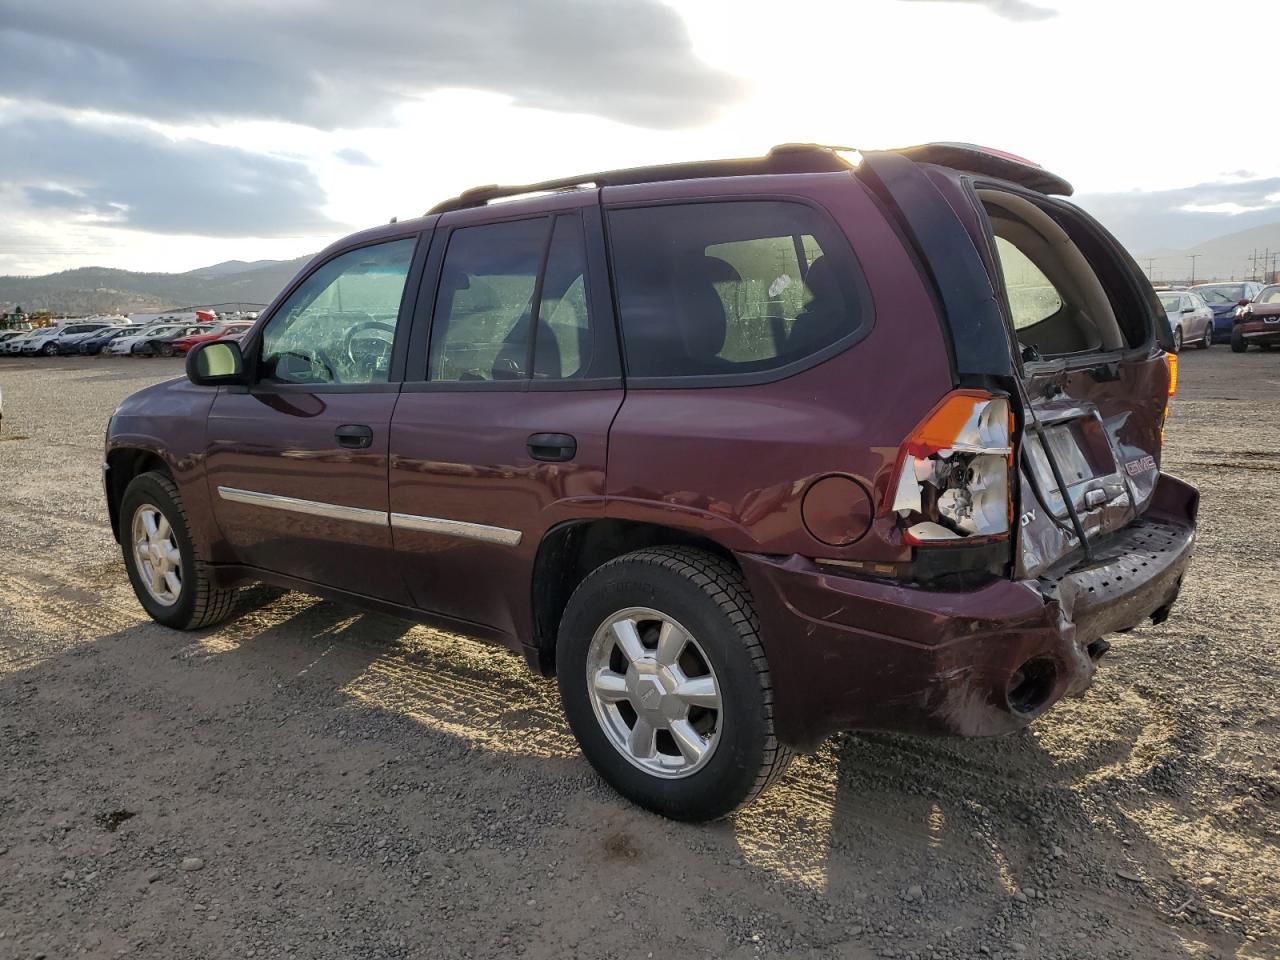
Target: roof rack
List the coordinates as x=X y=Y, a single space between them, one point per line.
x=784 y=158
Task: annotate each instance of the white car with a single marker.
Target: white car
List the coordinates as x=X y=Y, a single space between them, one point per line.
x=124 y=346
x=14 y=344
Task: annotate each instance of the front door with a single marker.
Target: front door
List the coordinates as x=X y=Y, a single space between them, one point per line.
x=501 y=431
x=297 y=464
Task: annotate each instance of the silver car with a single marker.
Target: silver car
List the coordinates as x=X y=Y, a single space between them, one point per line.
x=1190 y=317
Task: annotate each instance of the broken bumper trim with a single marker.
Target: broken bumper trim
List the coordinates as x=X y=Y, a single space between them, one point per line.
x=850 y=653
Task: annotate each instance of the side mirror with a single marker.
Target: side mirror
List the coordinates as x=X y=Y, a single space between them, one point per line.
x=215 y=362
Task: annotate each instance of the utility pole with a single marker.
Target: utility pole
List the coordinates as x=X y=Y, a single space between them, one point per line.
x=1150 y=262
x=1193 y=257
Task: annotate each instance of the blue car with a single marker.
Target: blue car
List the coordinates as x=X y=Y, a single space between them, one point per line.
x=1223 y=299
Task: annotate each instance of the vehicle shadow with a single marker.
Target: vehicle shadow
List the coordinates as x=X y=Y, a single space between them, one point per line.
x=990 y=842
x=934 y=846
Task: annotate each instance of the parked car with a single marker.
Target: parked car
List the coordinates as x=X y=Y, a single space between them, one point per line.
x=139 y=344
x=1223 y=299
x=1190 y=318
x=48 y=340
x=744 y=452
x=13 y=345
x=163 y=345
x=93 y=343
x=182 y=344
x=1257 y=323
x=7 y=335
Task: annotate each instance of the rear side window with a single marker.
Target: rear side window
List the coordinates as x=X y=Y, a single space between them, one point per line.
x=732 y=287
x=512 y=305
x=1032 y=297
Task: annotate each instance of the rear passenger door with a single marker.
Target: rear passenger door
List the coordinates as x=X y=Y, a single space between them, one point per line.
x=501 y=429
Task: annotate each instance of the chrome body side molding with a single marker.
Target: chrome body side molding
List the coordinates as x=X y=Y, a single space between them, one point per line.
x=312 y=508
x=457 y=528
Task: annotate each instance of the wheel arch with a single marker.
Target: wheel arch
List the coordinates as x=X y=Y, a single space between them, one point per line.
x=122 y=465
x=569 y=551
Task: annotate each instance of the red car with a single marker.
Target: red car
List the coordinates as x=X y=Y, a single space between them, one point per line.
x=1257 y=322
x=743 y=452
x=183 y=344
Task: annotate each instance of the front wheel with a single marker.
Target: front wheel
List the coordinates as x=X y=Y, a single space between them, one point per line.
x=1177 y=340
x=665 y=683
x=1207 y=340
x=1237 y=342
x=49 y=349
x=165 y=349
x=174 y=586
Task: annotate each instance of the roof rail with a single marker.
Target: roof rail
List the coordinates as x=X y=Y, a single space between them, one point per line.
x=784 y=158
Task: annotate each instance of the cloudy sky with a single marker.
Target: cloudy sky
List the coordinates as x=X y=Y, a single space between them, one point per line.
x=169 y=134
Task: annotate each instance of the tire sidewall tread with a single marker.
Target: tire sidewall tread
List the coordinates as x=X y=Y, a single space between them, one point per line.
x=706 y=594
x=201 y=603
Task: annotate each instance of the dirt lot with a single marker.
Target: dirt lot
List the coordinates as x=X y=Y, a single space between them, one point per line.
x=312 y=781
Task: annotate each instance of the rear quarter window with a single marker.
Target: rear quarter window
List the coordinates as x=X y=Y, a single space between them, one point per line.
x=733 y=290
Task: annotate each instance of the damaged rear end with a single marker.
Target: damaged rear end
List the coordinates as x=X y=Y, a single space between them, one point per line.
x=1042 y=466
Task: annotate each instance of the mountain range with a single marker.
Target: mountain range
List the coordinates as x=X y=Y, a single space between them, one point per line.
x=89 y=290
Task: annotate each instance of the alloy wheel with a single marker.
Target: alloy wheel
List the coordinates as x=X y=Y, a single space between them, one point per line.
x=156 y=555
x=654 y=692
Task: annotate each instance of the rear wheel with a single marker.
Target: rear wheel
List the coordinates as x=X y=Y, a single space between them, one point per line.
x=173 y=585
x=1237 y=342
x=665 y=683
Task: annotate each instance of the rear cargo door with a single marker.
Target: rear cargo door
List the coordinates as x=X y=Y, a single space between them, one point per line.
x=1094 y=384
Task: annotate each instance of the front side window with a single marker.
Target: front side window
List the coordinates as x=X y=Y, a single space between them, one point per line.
x=339 y=324
x=734 y=287
x=1269 y=295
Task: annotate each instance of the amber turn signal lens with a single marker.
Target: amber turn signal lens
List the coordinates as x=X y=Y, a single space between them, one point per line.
x=1172 y=359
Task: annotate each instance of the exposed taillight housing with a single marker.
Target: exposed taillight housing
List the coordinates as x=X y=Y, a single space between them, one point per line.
x=952 y=483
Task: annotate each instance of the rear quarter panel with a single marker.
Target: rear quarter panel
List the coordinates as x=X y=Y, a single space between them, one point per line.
x=735 y=462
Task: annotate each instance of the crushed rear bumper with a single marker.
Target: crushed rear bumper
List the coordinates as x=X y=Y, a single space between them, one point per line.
x=852 y=653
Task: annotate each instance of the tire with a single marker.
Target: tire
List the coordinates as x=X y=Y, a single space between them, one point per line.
x=1177 y=339
x=165 y=350
x=49 y=349
x=1237 y=342
x=705 y=597
x=1207 y=340
x=196 y=602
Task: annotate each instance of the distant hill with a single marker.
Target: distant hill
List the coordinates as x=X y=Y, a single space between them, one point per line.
x=89 y=290
x=1220 y=258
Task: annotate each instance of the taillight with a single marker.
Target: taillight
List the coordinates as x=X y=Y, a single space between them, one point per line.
x=951 y=484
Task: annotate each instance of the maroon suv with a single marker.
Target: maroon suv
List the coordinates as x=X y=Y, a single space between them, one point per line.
x=744 y=452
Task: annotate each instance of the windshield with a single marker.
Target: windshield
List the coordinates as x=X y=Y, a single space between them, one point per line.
x=163 y=331
x=1222 y=293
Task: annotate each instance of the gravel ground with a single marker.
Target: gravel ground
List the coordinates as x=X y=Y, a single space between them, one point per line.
x=311 y=781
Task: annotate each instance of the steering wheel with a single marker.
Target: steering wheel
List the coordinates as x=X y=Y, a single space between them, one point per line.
x=367 y=360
